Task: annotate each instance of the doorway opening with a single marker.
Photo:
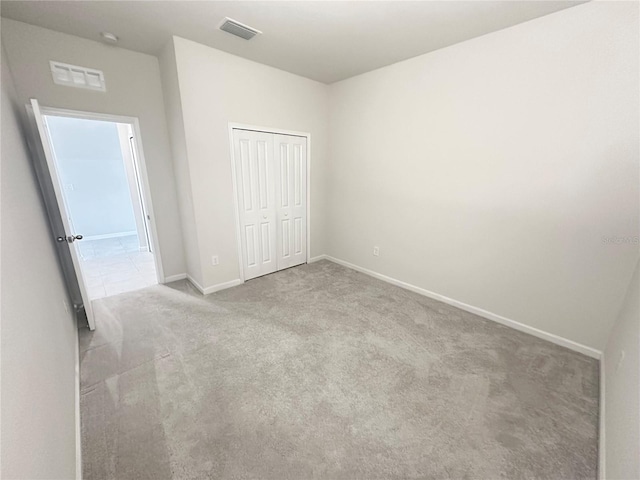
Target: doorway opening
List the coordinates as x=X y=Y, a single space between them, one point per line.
x=97 y=163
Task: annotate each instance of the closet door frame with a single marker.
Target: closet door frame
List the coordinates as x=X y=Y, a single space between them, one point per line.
x=278 y=131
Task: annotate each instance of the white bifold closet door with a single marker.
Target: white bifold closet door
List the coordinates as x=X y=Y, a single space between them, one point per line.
x=271 y=176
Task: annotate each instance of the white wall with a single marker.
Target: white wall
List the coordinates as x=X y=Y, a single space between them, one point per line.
x=39 y=338
x=621 y=436
x=173 y=105
x=133 y=89
x=217 y=88
x=490 y=171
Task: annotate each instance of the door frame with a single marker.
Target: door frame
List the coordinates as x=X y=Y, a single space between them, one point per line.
x=129 y=153
x=278 y=131
x=142 y=167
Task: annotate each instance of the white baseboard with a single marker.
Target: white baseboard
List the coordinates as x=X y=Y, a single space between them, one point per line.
x=318 y=258
x=110 y=235
x=591 y=352
x=193 y=282
x=175 y=278
x=214 y=288
x=602 y=440
x=222 y=286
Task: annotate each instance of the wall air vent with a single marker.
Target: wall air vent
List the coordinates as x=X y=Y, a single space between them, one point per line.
x=79 y=77
x=238 y=29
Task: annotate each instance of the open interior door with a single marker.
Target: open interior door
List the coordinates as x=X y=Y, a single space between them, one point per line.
x=69 y=237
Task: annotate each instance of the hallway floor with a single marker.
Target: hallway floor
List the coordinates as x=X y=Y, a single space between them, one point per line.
x=321 y=372
x=115 y=265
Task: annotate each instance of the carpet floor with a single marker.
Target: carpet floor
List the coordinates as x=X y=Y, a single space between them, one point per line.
x=322 y=372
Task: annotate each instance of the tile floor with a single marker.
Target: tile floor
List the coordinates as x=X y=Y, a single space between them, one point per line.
x=115 y=265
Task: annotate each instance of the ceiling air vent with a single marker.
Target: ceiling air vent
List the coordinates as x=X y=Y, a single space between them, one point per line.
x=238 y=29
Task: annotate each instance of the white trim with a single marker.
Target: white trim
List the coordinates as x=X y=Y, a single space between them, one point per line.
x=564 y=342
x=78 y=427
x=175 y=278
x=318 y=258
x=222 y=286
x=256 y=128
x=193 y=282
x=278 y=131
x=602 y=439
x=127 y=148
x=308 y=197
x=110 y=235
x=213 y=288
x=144 y=178
x=100 y=117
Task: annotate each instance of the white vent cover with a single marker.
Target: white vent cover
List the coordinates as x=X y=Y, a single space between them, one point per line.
x=238 y=29
x=80 y=77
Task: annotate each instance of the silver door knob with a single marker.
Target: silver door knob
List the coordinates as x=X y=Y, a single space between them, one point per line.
x=73 y=238
x=265 y=217
x=286 y=214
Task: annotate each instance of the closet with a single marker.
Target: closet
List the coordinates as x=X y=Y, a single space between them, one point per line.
x=271 y=188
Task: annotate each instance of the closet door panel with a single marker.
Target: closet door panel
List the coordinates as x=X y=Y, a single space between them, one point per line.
x=254 y=163
x=291 y=200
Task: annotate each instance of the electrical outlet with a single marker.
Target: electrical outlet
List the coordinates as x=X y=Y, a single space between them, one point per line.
x=214 y=260
x=376 y=251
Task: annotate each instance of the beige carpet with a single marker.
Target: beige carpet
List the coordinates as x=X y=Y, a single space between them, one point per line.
x=322 y=372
